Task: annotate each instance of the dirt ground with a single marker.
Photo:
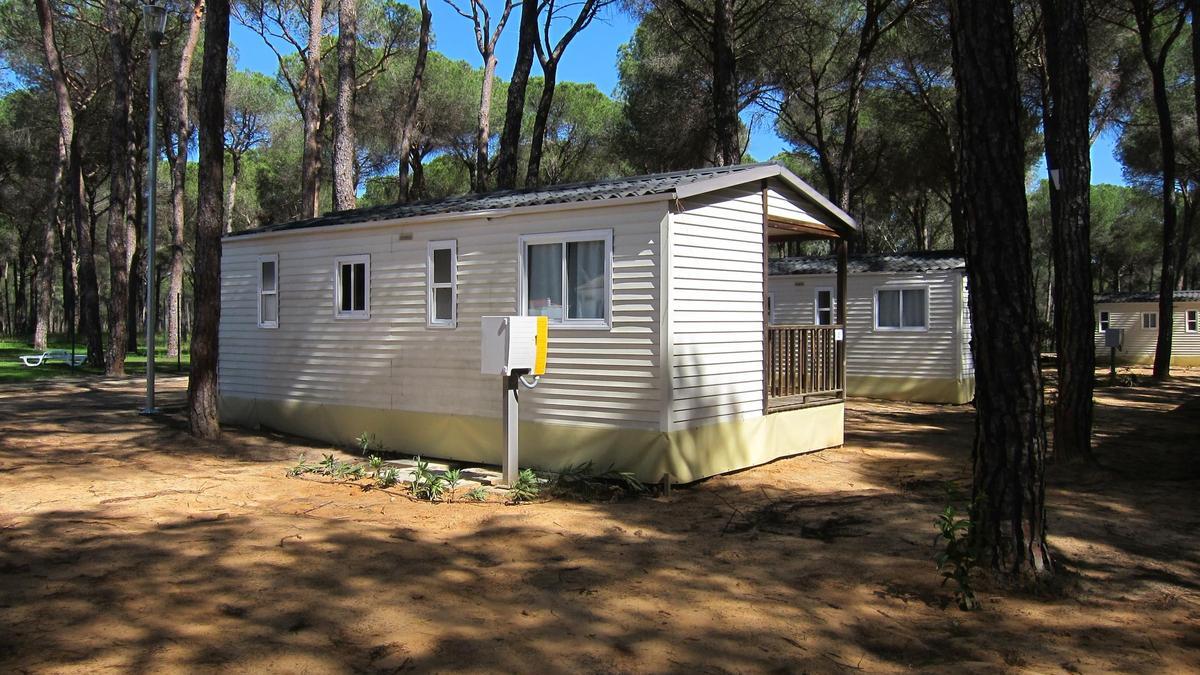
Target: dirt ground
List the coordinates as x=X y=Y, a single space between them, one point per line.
x=125 y=545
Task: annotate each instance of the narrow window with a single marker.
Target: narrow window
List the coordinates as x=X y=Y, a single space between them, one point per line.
x=441 y=279
x=352 y=287
x=823 y=305
x=1192 y=321
x=567 y=277
x=1149 y=320
x=1103 y=321
x=901 y=309
x=268 y=291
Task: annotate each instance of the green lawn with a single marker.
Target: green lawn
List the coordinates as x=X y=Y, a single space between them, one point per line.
x=12 y=370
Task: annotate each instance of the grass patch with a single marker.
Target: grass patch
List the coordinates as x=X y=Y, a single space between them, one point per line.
x=12 y=371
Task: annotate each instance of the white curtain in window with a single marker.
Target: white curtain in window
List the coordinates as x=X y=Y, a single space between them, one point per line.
x=544 y=279
x=585 y=279
x=888 y=309
x=914 y=308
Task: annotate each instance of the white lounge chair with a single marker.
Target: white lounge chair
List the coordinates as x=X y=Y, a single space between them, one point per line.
x=35 y=360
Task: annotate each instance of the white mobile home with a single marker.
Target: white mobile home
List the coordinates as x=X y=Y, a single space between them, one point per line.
x=908 y=329
x=369 y=321
x=1136 y=314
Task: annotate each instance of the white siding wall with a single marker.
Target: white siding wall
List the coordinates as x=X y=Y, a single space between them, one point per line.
x=1141 y=342
x=393 y=361
x=931 y=354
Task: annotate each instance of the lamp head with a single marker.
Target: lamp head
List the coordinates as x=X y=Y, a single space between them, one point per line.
x=155 y=16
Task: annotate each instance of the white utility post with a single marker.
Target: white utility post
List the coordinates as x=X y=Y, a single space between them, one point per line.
x=513 y=347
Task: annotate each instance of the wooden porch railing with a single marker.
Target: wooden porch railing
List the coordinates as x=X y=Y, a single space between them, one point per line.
x=805 y=366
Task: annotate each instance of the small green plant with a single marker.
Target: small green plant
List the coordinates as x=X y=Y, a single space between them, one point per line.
x=328 y=465
x=581 y=481
x=387 y=478
x=367 y=442
x=526 y=488
x=301 y=468
x=452 y=478
x=425 y=483
x=957 y=558
x=376 y=463
x=477 y=494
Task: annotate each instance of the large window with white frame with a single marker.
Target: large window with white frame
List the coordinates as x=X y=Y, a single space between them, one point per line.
x=268 y=291
x=823 y=306
x=1150 y=320
x=1191 y=321
x=441 y=282
x=567 y=277
x=352 y=287
x=902 y=308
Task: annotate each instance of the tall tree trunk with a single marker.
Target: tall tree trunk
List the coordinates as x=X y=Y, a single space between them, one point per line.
x=137 y=271
x=514 y=112
x=235 y=167
x=66 y=128
x=183 y=134
x=203 y=419
x=310 y=104
x=541 y=119
x=412 y=107
x=1068 y=151
x=344 y=197
x=85 y=241
x=1008 y=511
x=725 y=91
x=483 y=124
x=120 y=176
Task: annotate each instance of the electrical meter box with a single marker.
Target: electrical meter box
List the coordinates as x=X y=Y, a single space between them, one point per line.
x=1114 y=338
x=514 y=344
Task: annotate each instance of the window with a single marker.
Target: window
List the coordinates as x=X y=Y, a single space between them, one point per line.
x=441 y=279
x=901 y=308
x=567 y=277
x=1103 y=321
x=823 y=307
x=352 y=287
x=1192 y=320
x=1149 y=320
x=268 y=291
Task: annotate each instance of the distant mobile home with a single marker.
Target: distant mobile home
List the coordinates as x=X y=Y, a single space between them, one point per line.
x=1137 y=315
x=660 y=353
x=908 y=329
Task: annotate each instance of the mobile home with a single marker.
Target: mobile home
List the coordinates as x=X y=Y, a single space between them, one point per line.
x=654 y=286
x=1136 y=315
x=908 y=328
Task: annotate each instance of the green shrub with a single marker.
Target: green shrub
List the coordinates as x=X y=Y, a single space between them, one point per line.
x=957 y=558
x=526 y=488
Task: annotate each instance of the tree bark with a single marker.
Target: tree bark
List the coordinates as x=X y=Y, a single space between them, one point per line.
x=541 y=119
x=344 y=197
x=1008 y=511
x=310 y=110
x=1068 y=151
x=725 y=90
x=89 y=290
x=120 y=176
x=412 y=107
x=66 y=129
x=183 y=133
x=483 y=124
x=231 y=193
x=203 y=419
x=514 y=112
x=137 y=269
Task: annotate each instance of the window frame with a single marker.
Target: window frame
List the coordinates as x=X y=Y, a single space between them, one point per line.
x=353 y=315
x=900 y=289
x=273 y=258
x=1146 y=315
x=1191 y=320
x=817 y=306
x=431 y=320
x=1104 y=321
x=524 y=241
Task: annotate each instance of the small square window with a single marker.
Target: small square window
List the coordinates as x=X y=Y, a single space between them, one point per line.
x=352 y=287
x=1149 y=320
x=901 y=308
x=567 y=277
x=268 y=291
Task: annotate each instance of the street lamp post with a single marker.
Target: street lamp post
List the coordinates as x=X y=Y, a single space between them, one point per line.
x=155 y=17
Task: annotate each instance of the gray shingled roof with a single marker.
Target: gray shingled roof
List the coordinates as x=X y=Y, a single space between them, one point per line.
x=615 y=188
x=1147 y=296
x=924 y=261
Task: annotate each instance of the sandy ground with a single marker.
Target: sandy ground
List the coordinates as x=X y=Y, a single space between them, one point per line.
x=127 y=546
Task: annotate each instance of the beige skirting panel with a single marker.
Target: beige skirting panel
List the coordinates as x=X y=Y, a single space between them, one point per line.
x=918 y=389
x=687 y=454
x=1137 y=359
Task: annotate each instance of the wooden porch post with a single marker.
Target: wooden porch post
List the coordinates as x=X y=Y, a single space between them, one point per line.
x=842 y=264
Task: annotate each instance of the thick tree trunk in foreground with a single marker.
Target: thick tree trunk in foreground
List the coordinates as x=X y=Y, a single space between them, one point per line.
x=66 y=129
x=344 y=197
x=203 y=418
x=514 y=112
x=183 y=132
x=310 y=110
x=1068 y=149
x=412 y=108
x=121 y=175
x=1008 y=512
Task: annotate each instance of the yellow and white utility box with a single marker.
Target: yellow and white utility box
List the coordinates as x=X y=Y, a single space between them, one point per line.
x=513 y=347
